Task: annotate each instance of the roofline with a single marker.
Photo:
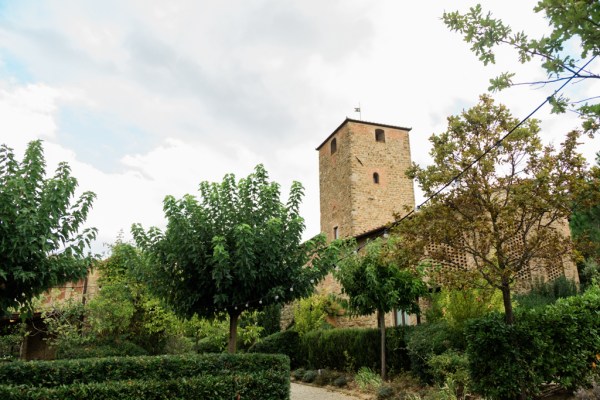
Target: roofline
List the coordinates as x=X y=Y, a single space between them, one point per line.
x=372 y=232
x=362 y=122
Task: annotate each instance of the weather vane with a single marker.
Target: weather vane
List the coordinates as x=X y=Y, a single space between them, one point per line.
x=357 y=110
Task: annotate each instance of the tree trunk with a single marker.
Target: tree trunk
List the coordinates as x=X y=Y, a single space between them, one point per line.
x=233 y=324
x=381 y=322
x=508 y=310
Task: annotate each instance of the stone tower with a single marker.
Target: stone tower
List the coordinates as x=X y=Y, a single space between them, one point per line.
x=362 y=177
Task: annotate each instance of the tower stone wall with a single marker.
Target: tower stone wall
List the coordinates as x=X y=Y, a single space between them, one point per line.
x=363 y=183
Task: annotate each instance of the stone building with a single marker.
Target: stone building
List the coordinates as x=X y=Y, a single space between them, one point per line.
x=363 y=185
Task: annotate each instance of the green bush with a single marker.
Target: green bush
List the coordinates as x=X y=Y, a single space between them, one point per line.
x=267 y=385
x=385 y=392
x=558 y=343
x=545 y=293
x=352 y=348
x=285 y=342
x=571 y=332
x=428 y=340
x=309 y=376
x=367 y=379
x=67 y=372
x=341 y=381
x=298 y=374
x=10 y=346
x=505 y=360
x=98 y=350
x=326 y=377
x=451 y=369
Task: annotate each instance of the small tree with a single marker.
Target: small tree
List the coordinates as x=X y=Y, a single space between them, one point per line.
x=375 y=282
x=236 y=248
x=40 y=243
x=575 y=35
x=508 y=213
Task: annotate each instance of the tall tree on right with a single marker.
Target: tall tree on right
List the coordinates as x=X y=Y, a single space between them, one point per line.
x=585 y=227
x=507 y=214
x=573 y=41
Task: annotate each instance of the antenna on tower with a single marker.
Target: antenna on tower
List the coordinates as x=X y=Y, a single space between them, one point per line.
x=357 y=110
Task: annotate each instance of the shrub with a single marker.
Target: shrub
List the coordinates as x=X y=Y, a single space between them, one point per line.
x=298 y=374
x=571 y=332
x=326 y=377
x=385 y=392
x=545 y=293
x=309 y=376
x=340 y=381
x=310 y=314
x=103 y=349
x=366 y=379
x=10 y=347
x=261 y=385
x=66 y=372
x=451 y=368
x=428 y=340
x=505 y=360
x=558 y=343
x=351 y=348
x=285 y=342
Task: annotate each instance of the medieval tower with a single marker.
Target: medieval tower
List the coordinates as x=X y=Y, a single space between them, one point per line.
x=362 y=178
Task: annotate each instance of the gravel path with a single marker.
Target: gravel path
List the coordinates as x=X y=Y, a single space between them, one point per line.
x=304 y=392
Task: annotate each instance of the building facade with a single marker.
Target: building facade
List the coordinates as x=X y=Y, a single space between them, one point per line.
x=363 y=186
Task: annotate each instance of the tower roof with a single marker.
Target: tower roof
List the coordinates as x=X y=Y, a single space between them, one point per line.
x=361 y=122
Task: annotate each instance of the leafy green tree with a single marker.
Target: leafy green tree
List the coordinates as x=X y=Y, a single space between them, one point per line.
x=574 y=36
x=585 y=227
x=585 y=221
x=41 y=245
x=237 y=247
x=376 y=282
x=507 y=213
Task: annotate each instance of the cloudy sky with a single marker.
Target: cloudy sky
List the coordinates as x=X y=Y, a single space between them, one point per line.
x=148 y=98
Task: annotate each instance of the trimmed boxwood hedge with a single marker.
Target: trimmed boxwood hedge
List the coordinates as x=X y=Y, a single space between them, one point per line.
x=267 y=385
x=210 y=376
x=66 y=372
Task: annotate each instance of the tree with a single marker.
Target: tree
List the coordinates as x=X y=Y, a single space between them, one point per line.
x=376 y=282
x=40 y=243
x=507 y=213
x=585 y=226
x=237 y=247
x=572 y=22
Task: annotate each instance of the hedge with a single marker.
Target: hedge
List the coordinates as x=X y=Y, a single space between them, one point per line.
x=268 y=385
x=285 y=342
x=98 y=370
x=559 y=343
x=339 y=349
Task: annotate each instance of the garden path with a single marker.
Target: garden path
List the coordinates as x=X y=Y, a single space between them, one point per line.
x=305 y=392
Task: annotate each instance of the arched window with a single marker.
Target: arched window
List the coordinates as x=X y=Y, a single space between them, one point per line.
x=333 y=146
x=379 y=135
x=375 y=177
x=336 y=232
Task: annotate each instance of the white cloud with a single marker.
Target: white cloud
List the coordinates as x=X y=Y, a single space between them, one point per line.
x=212 y=88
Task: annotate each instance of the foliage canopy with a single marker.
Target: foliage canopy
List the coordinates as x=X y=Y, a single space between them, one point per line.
x=506 y=215
x=376 y=282
x=574 y=36
x=41 y=245
x=236 y=247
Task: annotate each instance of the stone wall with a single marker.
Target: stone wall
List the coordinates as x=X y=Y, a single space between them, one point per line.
x=350 y=199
